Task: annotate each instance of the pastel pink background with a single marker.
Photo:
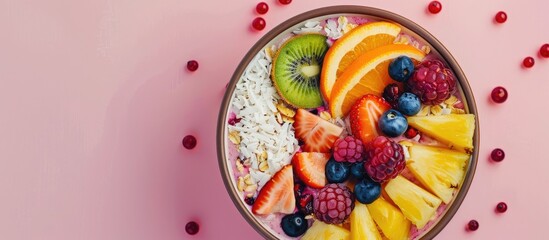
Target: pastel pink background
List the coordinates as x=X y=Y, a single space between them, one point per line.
x=95 y=101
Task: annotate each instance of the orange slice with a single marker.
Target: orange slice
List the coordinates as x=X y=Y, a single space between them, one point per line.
x=349 y=47
x=368 y=74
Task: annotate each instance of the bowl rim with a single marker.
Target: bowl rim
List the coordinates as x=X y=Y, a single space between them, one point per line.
x=345 y=9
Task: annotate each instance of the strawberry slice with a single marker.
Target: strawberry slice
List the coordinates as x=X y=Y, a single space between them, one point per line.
x=277 y=196
x=364 y=117
x=310 y=168
x=317 y=134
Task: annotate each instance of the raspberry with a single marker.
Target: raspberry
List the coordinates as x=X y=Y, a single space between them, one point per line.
x=385 y=159
x=348 y=149
x=334 y=203
x=432 y=82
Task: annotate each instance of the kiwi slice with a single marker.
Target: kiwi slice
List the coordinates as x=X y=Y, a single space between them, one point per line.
x=296 y=70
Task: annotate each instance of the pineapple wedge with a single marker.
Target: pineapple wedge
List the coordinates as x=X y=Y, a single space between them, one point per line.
x=440 y=170
x=389 y=219
x=418 y=205
x=454 y=130
x=362 y=224
x=324 y=231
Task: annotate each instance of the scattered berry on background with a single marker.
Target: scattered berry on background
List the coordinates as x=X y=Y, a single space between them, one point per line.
x=192 y=65
x=259 y=23
x=432 y=82
x=528 y=62
x=348 y=149
x=501 y=207
x=337 y=172
x=499 y=94
x=411 y=132
x=385 y=159
x=189 y=142
x=401 y=68
x=391 y=93
x=249 y=200
x=192 y=228
x=294 y=225
x=435 y=7
x=285 y=2
x=409 y=104
x=497 y=155
x=392 y=123
x=358 y=171
x=367 y=191
x=544 y=50
x=501 y=17
x=334 y=203
x=472 y=225
x=262 y=8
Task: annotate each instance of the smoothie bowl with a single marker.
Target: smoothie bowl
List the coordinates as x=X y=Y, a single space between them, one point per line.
x=348 y=122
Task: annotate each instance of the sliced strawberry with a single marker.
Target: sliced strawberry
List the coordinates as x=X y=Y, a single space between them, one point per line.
x=364 y=117
x=277 y=196
x=317 y=134
x=310 y=168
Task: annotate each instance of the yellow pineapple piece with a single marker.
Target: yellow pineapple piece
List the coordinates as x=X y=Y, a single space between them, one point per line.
x=362 y=224
x=418 y=205
x=323 y=231
x=390 y=220
x=454 y=130
x=440 y=170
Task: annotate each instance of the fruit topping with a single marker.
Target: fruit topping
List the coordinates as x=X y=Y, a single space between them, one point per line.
x=362 y=224
x=409 y=104
x=389 y=219
x=440 y=170
x=192 y=228
x=305 y=204
x=472 y=225
x=385 y=159
x=501 y=207
x=189 y=142
x=367 y=75
x=418 y=205
x=358 y=171
x=296 y=70
x=411 y=132
x=348 y=149
x=337 y=172
x=334 y=203
x=454 y=130
x=391 y=93
x=528 y=62
x=277 y=196
x=497 y=155
x=323 y=231
x=262 y=8
x=367 y=191
x=401 y=68
x=544 y=50
x=435 y=7
x=392 y=123
x=349 y=47
x=364 y=117
x=309 y=167
x=432 y=82
x=317 y=134
x=294 y=225
x=192 y=65
x=259 y=23
x=499 y=94
x=249 y=200
x=501 y=17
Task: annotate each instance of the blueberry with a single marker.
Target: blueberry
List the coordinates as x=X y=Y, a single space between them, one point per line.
x=367 y=191
x=401 y=68
x=294 y=225
x=337 y=172
x=392 y=123
x=358 y=171
x=408 y=104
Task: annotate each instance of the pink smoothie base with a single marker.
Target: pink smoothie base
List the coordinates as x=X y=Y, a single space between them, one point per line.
x=96 y=99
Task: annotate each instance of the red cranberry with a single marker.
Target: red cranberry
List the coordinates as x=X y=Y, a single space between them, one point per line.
x=192 y=228
x=501 y=207
x=435 y=7
x=258 y=23
x=192 y=65
x=544 y=50
x=528 y=62
x=497 y=155
x=411 y=132
x=285 y=2
x=499 y=94
x=501 y=17
x=472 y=225
x=262 y=8
x=189 y=142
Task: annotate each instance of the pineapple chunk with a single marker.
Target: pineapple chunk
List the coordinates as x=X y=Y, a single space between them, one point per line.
x=321 y=231
x=389 y=219
x=362 y=224
x=440 y=170
x=418 y=205
x=454 y=130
